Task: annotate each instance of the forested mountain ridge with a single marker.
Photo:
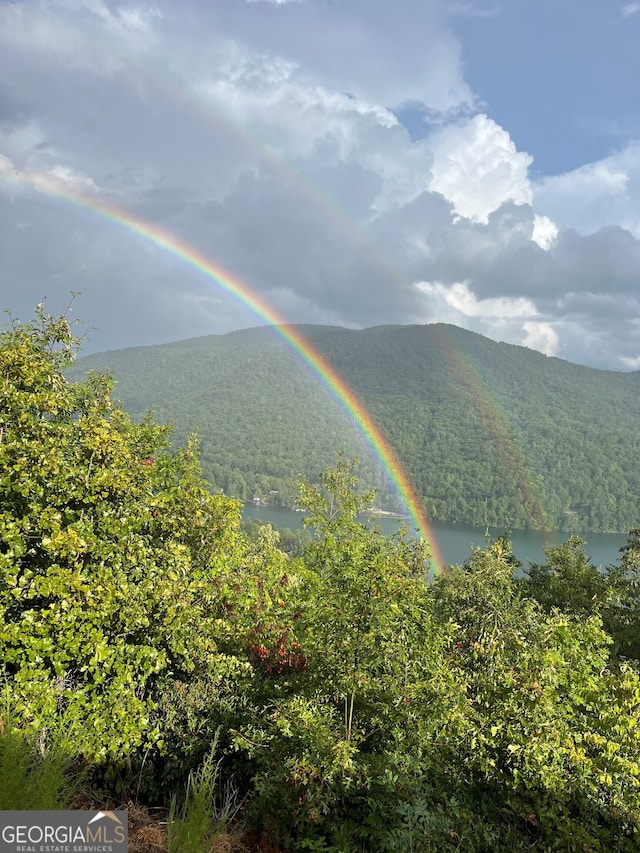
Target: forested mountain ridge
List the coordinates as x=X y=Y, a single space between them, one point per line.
x=489 y=432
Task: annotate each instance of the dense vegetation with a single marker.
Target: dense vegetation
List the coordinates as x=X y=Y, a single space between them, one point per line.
x=490 y=433
x=344 y=700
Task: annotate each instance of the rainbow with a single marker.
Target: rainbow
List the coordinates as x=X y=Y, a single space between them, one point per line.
x=220 y=122
x=498 y=424
x=496 y=419
x=195 y=259
x=493 y=413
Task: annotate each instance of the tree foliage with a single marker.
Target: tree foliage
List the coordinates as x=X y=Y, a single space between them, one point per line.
x=108 y=545
x=352 y=704
x=568 y=581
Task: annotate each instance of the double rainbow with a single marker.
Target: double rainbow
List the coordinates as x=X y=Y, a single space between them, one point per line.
x=227 y=281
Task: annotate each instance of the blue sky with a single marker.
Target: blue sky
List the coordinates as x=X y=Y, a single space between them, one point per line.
x=561 y=77
x=352 y=161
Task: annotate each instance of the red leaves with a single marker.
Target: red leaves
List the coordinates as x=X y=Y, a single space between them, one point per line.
x=282 y=658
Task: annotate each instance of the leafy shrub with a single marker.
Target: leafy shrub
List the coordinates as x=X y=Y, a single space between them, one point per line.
x=110 y=551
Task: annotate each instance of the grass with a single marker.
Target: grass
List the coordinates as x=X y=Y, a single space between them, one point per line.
x=35 y=769
x=204 y=822
x=37 y=773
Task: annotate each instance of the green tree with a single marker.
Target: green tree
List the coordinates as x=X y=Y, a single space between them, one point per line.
x=572 y=584
x=110 y=549
x=549 y=732
x=336 y=739
x=568 y=580
x=622 y=614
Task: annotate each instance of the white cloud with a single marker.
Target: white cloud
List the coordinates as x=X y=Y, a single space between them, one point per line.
x=500 y=318
x=463 y=301
x=468 y=10
x=278 y=105
x=594 y=179
x=123 y=20
x=7 y=168
x=595 y=195
x=541 y=337
x=267 y=138
x=369 y=50
x=22 y=141
x=82 y=34
x=67 y=178
x=630 y=9
x=631 y=363
x=545 y=232
x=59 y=178
x=477 y=168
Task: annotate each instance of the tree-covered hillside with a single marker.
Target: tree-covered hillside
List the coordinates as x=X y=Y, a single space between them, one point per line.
x=490 y=433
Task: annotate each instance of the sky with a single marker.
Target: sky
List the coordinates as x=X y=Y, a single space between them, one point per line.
x=351 y=162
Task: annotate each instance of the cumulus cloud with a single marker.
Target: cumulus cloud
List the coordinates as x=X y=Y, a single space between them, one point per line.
x=462 y=300
x=363 y=48
x=596 y=195
x=477 y=168
x=541 y=336
x=288 y=111
x=545 y=231
x=630 y=9
x=83 y=34
x=58 y=180
x=599 y=179
x=7 y=168
x=66 y=177
x=500 y=318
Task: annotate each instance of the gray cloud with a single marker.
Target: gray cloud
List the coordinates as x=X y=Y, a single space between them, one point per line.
x=13 y=111
x=364 y=47
x=260 y=134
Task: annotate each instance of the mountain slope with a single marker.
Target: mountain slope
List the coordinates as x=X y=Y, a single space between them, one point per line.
x=490 y=433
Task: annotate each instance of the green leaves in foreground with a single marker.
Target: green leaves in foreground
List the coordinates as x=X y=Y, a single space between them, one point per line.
x=352 y=705
x=109 y=548
x=354 y=723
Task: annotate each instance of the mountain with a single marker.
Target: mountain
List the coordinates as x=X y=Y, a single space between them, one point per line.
x=490 y=433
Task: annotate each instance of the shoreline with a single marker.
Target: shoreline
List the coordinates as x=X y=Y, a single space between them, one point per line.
x=385 y=513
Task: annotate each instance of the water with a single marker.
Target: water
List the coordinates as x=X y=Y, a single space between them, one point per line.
x=455 y=541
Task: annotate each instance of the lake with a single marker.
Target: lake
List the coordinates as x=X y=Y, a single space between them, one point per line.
x=455 y=541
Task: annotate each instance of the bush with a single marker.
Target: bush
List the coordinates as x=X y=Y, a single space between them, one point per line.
x=111 y=549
